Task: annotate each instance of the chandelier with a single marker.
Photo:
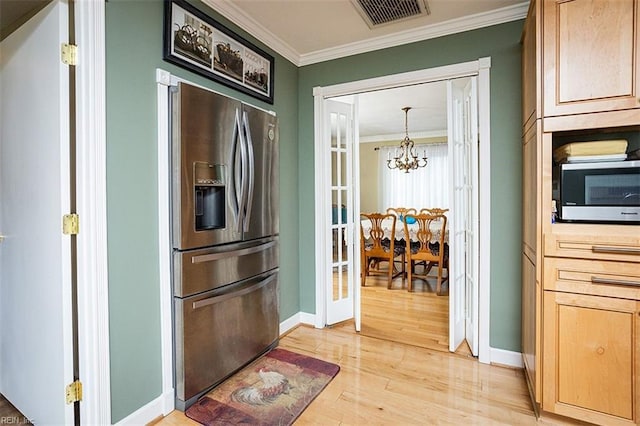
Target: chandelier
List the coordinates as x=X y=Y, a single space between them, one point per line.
x=406 y=157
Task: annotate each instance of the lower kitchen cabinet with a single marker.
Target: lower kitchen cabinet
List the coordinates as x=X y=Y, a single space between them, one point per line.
x=591 y=360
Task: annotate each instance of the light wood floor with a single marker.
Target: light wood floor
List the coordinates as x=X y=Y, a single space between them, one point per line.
x=419 y=318
x=398 y=369
x=388 y=383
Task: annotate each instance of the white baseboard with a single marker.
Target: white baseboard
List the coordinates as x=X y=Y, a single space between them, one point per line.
x=161 y=406
x=309 y=319
x=295 y=320
x=289 y=323
x=508 y=358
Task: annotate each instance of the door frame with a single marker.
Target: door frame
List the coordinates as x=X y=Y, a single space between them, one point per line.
x=93 y=294
x=479 y=68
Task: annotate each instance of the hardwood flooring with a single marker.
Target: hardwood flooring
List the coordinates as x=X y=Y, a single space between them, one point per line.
x=419 y=318
x=389 y=383
x=398 y=370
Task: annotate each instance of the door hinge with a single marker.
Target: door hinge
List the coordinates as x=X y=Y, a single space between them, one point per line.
x=74 y=392
x=69 y=54
x=70 y=224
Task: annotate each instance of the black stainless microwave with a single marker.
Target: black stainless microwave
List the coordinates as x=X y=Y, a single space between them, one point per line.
x=607 y=191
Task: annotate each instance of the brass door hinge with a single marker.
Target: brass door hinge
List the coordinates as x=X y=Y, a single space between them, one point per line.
x=74 y=392
x=69 y=54
x=70 y=224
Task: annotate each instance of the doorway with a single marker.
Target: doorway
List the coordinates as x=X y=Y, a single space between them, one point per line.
x=419 y=317
x=479 y=69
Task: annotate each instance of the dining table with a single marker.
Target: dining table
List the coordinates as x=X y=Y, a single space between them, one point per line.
x=387 y=226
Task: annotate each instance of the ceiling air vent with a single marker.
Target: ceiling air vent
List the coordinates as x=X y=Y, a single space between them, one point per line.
x=379 y=12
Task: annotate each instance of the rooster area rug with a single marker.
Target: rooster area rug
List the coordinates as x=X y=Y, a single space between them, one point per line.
x=273 y=390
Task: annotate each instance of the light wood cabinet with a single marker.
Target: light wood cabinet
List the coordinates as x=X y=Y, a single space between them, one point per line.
x=531 y=333
x=591 y=56
x=605 y=242
x=595 y=277
x=530 y=192
x=580 y=282
x=531 y=99
x=591 y=357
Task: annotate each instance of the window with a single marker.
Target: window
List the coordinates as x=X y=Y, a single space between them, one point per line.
x=425 y=187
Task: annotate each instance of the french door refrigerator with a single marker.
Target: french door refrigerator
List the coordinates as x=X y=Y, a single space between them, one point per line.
x=224 y=237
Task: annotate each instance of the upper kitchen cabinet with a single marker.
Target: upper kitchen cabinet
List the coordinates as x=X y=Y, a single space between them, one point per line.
x=531 y=58
x=591 y=62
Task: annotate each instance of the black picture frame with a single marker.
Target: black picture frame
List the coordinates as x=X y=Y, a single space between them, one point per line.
x=197 y=42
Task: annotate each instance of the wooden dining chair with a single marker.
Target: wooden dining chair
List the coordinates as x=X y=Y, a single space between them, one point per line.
x=401 y=211
x=434 y=210
x=421 y=248
x=374 y=247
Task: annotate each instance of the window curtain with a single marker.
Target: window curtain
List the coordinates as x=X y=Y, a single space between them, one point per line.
x=425 y=187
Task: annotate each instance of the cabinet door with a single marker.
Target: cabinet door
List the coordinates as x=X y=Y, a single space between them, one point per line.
x=591 y=56
x=530 y=192
x=531 y=304
x=591 y=357
x=530 y=67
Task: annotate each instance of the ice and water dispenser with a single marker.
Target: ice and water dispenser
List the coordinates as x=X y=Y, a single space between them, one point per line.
x=209 y=196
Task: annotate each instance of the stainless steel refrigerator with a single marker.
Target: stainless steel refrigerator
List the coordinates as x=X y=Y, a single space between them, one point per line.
x=224 y=237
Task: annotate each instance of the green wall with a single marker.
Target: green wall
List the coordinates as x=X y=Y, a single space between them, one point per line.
x=134 y=50
x=501 y=43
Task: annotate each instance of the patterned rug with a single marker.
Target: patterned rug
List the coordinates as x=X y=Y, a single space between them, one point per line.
x=273 y=390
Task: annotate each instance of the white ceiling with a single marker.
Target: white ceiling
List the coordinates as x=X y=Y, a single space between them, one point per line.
x=381 y=116
x=311 y=31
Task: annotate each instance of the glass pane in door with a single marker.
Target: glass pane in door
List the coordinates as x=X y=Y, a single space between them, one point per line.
x=340 y=145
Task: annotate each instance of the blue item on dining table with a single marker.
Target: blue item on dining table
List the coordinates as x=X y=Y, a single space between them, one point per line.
x=408 y=220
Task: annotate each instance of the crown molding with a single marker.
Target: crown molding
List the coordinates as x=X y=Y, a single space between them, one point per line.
x=236 y=15
x=467 y=23
x=499 y=16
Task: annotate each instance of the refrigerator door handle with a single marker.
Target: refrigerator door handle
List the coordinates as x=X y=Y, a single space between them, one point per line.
x=230 y=295
x=243 y=173
x=235 y=253
x=251 y=170
x=235 y=175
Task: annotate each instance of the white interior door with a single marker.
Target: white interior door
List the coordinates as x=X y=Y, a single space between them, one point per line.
x=339 y=134
x=471 y=222
x=35 y=294
x=463 y=231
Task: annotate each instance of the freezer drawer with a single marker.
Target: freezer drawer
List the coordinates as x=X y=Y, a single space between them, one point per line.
x=218 y=332
x=201 y=270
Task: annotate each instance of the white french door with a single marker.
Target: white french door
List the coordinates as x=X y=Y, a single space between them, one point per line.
x=469 y=317
x=463 y=218
x=339 y=136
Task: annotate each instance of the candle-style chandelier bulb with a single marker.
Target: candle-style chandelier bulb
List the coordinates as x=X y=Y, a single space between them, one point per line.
x=405 y=157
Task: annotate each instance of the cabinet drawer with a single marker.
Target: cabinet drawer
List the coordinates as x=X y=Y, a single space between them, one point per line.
x=597 y=277
x=601 y=242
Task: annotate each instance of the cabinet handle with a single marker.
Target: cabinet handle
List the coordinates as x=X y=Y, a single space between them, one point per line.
x=617 y=250
x=608 y=281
